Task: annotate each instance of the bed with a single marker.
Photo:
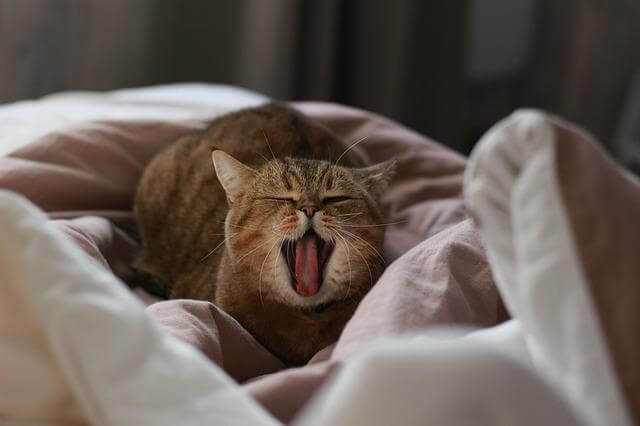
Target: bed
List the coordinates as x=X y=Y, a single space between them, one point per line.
x=490 y=307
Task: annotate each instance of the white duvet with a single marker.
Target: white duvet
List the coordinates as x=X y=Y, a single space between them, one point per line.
x=76 y=347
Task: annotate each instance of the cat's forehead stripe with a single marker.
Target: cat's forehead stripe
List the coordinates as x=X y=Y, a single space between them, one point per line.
x=307 y=175
x=325 y=173
x=315 y=173
x=285 y=179
x=329 y=181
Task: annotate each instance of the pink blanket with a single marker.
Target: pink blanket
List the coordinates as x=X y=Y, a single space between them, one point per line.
x=85 y=178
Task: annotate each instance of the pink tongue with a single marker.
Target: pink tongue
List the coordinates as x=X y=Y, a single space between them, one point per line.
x=307 y=266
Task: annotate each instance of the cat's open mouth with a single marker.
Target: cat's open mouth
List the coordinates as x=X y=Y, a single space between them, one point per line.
x=307 y=257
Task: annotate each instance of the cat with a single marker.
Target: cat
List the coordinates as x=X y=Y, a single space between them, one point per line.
x=253 y=215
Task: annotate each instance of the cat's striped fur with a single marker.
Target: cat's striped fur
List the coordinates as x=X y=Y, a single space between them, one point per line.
x=242 y=230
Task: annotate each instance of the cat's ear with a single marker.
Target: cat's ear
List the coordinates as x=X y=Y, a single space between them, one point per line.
x=376 y=178
x=232 y=174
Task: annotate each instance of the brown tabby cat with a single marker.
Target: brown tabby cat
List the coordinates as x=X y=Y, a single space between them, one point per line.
x=272 y=232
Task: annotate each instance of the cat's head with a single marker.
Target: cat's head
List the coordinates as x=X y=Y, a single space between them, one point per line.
x=307 y=232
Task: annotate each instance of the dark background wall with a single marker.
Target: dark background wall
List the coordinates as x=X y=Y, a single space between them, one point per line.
x=446 y=68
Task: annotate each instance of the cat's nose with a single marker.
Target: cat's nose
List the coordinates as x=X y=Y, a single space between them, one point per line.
x=309 y=210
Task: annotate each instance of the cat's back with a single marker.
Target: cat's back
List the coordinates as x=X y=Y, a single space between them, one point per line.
x=179 y=208
x=256 y=135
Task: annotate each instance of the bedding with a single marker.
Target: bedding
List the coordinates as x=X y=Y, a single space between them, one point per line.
x=557 y=216
x=84 y=177
x=77 y=346
x=23 y=122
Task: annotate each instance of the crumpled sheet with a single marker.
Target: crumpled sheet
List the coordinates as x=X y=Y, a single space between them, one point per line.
x=78 y=348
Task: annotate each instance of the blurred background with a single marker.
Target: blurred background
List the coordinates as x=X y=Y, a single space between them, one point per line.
x=449 y=69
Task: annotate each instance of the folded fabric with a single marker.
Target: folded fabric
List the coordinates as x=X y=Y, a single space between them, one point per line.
x=556 y=215
x=221 y=338
x=441 y=377
x=76 y=345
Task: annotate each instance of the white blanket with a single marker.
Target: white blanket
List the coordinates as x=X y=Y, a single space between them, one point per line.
x=23 y=122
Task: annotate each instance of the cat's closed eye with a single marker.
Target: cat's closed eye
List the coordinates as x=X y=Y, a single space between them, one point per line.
x=335 y=199
x=286 y=199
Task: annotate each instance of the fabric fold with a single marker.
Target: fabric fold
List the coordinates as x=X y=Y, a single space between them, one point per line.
x=513 y=189
x=89 y=352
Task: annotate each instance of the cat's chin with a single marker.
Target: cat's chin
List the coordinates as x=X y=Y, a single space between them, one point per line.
x=325 y=296
x=309 y=302
x=320 y=303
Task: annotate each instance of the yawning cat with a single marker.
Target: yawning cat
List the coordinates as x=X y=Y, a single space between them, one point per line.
x=266 y=215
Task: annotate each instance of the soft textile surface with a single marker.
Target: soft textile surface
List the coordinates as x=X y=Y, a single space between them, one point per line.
x=85 y=177
x=77 y=347
x=217 y=335
x=23 y=122
x=557 y=216
x=438 y=380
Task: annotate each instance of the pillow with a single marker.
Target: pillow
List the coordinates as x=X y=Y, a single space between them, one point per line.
x=558 y=218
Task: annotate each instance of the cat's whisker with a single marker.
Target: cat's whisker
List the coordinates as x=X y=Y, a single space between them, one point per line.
x=331 y=230
x=346 y=244
x=240 y=226
x=266 y=160
x=261 y=268
x=376 y=225
x=365 y=263
x=254 y=249
x=362 y=139
x=349 y=214
x=266 y=138
x=346 y=221
x=372 y=248
x=375 y=253
x=217 y=247
x=276 y=228
x=279 y=235
x=346 y=218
